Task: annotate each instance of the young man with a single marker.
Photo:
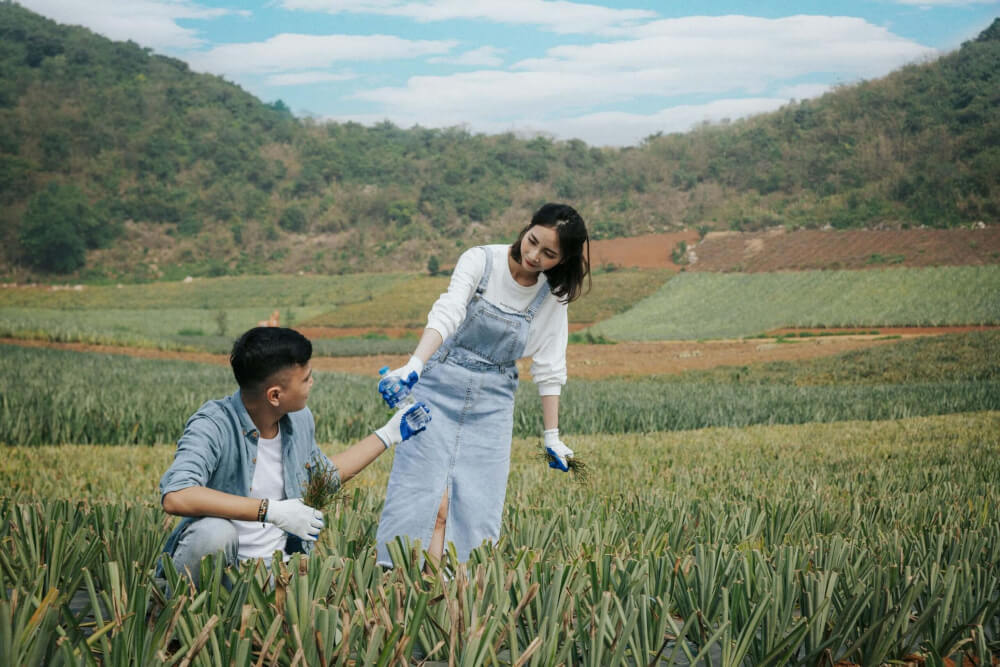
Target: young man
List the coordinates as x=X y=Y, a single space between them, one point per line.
x=238 y=473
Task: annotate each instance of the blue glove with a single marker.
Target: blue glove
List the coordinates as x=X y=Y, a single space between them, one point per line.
x=404 y=424
x=557 y=449
x=395 y=385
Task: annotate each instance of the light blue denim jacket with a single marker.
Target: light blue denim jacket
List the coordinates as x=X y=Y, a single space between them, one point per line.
x=218 y=450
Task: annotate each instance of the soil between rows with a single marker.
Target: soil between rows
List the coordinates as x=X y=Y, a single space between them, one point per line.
x=592 y=362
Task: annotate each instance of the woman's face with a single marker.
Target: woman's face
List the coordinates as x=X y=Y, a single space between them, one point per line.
x=540 y=249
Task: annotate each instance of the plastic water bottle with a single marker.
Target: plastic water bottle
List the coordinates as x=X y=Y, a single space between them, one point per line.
x=398 y=392
x=403 y=400
x=417 y=417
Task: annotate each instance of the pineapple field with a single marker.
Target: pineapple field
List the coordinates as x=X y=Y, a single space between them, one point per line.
x=755 y=494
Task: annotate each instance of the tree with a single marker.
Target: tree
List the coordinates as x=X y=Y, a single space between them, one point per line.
x=57 y=228
x=293 y=219
x=433 y=265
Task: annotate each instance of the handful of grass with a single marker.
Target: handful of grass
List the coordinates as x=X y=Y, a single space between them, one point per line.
x=577 y=467
x=322 y=484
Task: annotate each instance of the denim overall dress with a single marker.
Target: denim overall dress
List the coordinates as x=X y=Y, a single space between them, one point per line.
x=469 y=385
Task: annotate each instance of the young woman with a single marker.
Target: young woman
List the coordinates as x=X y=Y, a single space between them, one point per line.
x=503 y=303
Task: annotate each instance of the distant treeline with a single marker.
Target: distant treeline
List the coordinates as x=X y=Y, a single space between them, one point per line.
x=95 y=133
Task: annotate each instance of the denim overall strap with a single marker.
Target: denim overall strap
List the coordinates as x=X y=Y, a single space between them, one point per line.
x=475 y=303
x=485 y=279
x=536 y=303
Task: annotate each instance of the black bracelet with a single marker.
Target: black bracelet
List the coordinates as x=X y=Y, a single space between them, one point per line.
x=262 y=510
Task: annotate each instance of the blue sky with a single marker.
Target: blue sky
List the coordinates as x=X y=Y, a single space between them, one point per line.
x=610 y=73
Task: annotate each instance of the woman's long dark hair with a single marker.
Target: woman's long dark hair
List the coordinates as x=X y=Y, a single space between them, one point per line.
x=566 y=278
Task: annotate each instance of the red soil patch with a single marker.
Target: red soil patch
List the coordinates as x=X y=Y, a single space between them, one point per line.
x=651 y=251
x=355 y=332
x=315 y=333
x=888 y=331
x=778 y=250
x=670 y=357
x=583 y=361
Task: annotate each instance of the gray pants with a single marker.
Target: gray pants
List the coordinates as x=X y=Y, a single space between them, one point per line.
x=208 y=535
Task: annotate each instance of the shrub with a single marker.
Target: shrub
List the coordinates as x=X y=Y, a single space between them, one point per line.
x=58 y=226
x=293 y=219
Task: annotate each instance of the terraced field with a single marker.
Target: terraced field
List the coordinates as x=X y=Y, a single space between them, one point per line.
x=804 y=250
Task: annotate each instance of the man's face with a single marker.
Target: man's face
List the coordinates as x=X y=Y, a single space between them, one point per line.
x=294 y=384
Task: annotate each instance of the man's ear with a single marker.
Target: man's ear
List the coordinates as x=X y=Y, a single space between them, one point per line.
x=273 y=394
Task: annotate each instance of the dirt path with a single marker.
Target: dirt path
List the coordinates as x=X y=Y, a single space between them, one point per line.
x=588 y=361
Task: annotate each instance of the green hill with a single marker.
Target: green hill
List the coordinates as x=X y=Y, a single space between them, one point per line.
x=119 y=164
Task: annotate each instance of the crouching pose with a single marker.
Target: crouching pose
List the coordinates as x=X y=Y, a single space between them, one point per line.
x=238 y=473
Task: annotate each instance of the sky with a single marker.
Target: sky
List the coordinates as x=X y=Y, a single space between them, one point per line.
x=610 y=73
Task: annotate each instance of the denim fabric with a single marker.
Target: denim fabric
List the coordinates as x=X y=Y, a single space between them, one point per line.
x=218 y=450
x=211 y=535
x=469 y=385
x=201 y=538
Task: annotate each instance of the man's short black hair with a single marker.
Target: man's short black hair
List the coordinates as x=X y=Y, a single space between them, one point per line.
x=263 y=351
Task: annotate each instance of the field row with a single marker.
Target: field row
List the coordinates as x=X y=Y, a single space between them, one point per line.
x=143 y=401
x=709 y=305
x=625 y=304
x=208 y=314
x=862 y=542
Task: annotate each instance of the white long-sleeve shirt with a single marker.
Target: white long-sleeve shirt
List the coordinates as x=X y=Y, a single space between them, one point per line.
x=548 y=332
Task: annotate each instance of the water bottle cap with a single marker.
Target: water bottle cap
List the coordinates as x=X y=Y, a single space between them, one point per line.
x=383 y=370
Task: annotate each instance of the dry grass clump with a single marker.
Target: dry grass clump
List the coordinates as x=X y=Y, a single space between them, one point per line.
x=577 y=467
x=322 y=484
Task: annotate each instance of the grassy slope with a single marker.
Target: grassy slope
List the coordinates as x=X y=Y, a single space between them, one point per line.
x=731 y=305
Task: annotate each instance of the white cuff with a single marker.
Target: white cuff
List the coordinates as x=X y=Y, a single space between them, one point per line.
x=415 y=364
x=549 y=389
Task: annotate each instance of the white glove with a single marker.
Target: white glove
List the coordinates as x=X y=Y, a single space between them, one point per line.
x=407 y=375
x=558 y=449
x=404 y=424
x=414 y=365
x=295 y=517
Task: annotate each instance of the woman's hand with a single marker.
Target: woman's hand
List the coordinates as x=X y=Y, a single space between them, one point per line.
x=396 y=384
x=557 y=450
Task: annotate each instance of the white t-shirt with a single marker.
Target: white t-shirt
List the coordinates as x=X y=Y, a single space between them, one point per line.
x=261 y=540
x=548 y=332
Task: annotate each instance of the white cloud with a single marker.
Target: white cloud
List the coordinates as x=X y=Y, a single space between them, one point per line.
x=306 y=78
x=291 y=52
x=743 y=48
x=944 y=3
x=486 y=56
x=752 y=63
x=624 y=129
x=670 y=58
x=597 y=129
x=557 y=16
x=494 y=93
x=151 y=23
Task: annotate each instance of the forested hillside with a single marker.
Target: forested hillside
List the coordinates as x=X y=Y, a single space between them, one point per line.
x=119 y=164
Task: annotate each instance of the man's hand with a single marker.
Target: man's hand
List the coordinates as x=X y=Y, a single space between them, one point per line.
x=557 y=449
x=295 y=517
x=404 y=424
